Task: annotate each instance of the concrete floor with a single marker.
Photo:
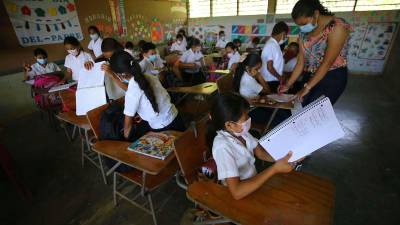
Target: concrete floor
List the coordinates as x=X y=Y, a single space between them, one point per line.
x=363 y=165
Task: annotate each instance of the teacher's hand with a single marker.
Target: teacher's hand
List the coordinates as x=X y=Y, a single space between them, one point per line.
x=303 y=92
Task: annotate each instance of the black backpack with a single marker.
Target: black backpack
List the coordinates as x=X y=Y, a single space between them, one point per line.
x=112 y=122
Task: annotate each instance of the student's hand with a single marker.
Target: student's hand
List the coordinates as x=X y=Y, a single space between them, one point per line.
x=107 y=69
x=89 y=65
x=26 y=67
x=137 y=119
x=283 y=165
x=61 y=82
x=282 y=88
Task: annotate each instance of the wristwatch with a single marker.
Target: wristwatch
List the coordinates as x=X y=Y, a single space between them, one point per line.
x=307 y=87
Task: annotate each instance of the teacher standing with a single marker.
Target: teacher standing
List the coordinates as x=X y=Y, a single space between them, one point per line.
x=322 y=58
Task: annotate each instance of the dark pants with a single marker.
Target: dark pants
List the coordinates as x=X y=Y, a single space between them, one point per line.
x=273 y=86
x=261 y=115
x=331 y=86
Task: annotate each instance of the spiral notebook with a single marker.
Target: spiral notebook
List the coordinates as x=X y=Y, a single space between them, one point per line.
x=308 y=130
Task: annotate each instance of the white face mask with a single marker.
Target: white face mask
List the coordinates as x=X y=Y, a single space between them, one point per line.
x=223 y=38
x=230 y=55
x=73 y=52
x=179 y=42
x=245 y=127
x=94 y=37
x=281 y=42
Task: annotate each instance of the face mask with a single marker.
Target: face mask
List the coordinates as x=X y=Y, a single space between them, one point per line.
x=245 y=128
x=73 y=52
x=94 y=36
x=223 y=38
x=229 y=55
x=41 y=61
x=281 y=42
x=152 y=58
x=197 y=50
x=308 y=27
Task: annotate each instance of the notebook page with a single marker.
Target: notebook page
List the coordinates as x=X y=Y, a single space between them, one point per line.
x=89 y=98
x=305 y=132
x=91 y=78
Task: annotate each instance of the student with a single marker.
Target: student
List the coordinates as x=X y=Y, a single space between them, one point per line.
x=233 y=55
x=115 y=85
x=184 y=37
x=76 y=59
x=238 y=43
x=221 y=43
x=191 y=61
x=290 y=57
x=41 y=66
x=129 y=48
x=254 y=43
x=178 y=46
x=149 y=63
x=146 y=97
x=272 y=67
x=234 y=148
x=95 y=42
x=247 y=80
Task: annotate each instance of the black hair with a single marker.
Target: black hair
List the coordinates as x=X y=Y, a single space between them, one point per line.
x=294 y=44
x=179 y=36
x=221 y=32
x=251 y=60
x=129 y=45
x=231 y=45
x=256 y=40
x=40 y=51
x=123 y=62
x=307 y=8
x=111 y=45
x=146 y=47
x=141 y=43
x=95 y=29
x=237 y=41
x=72 y=41
x=182 y=31
x=225 y=107
x=193 y=42
x=279 y=28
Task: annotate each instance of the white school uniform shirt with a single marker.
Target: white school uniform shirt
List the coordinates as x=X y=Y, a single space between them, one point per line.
x=114 y=91
x=272 y=51
x=178 y=47
x=249 y=87
x=289 y=66
x=234 y=59
x=95 y=46
x=192 y=57
x=76 y=63
x=137 y=102
x=220 y=43
x=38 y=69
x=233 y=158
x=148 y=67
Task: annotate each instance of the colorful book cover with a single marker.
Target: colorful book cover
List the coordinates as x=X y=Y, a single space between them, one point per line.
x=157 y=145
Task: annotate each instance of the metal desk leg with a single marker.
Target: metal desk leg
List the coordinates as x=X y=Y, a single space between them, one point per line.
x=102 y=169
x=270 y=120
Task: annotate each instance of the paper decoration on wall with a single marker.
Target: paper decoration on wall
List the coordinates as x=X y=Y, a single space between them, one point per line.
x=102 y=21
x=157 y=34
x=138 y=28
x=377 y=40
x=117 y=8
x=197 y=31
x=259 y=29
x=356 y=38
x=43 y=22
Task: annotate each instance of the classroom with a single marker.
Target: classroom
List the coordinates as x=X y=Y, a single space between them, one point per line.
x=189 y=112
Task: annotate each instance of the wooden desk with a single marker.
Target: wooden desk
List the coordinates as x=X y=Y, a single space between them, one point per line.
x=287 y=199
x=207 y=88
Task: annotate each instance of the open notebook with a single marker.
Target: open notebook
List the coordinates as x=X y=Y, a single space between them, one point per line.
x=308 y=130
x=91 y=92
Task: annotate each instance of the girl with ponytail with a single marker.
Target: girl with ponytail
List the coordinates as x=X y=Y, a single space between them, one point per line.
x=146 y=97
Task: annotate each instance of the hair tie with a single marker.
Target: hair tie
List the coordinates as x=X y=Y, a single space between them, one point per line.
x=131 y=62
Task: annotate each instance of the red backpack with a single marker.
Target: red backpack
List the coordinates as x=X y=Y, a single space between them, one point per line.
x=42 y=98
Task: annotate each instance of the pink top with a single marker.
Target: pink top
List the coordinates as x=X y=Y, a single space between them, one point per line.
x=315 y=47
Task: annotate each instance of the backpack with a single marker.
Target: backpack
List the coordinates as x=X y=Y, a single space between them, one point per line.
x=112 y=122
x=44 y=99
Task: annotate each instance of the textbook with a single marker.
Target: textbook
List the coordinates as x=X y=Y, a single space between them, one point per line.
x=310 y=129
x=91 y=92
x=157 y=145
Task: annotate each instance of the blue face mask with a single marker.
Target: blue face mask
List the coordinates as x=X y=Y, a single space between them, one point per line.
x=307 y=28
x=152 y=58
x=41 y=61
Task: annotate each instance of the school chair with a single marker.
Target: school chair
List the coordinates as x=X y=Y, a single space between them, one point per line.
x=191 y=159
x=225 y=84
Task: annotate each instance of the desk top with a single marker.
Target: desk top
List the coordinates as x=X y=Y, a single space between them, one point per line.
x=207 y=88
x=224 y=72
x=118 y=150
x=72 y=118
x=267 y=103
x=290 y=199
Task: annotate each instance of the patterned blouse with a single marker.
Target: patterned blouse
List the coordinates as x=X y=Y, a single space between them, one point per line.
x=315 y=47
